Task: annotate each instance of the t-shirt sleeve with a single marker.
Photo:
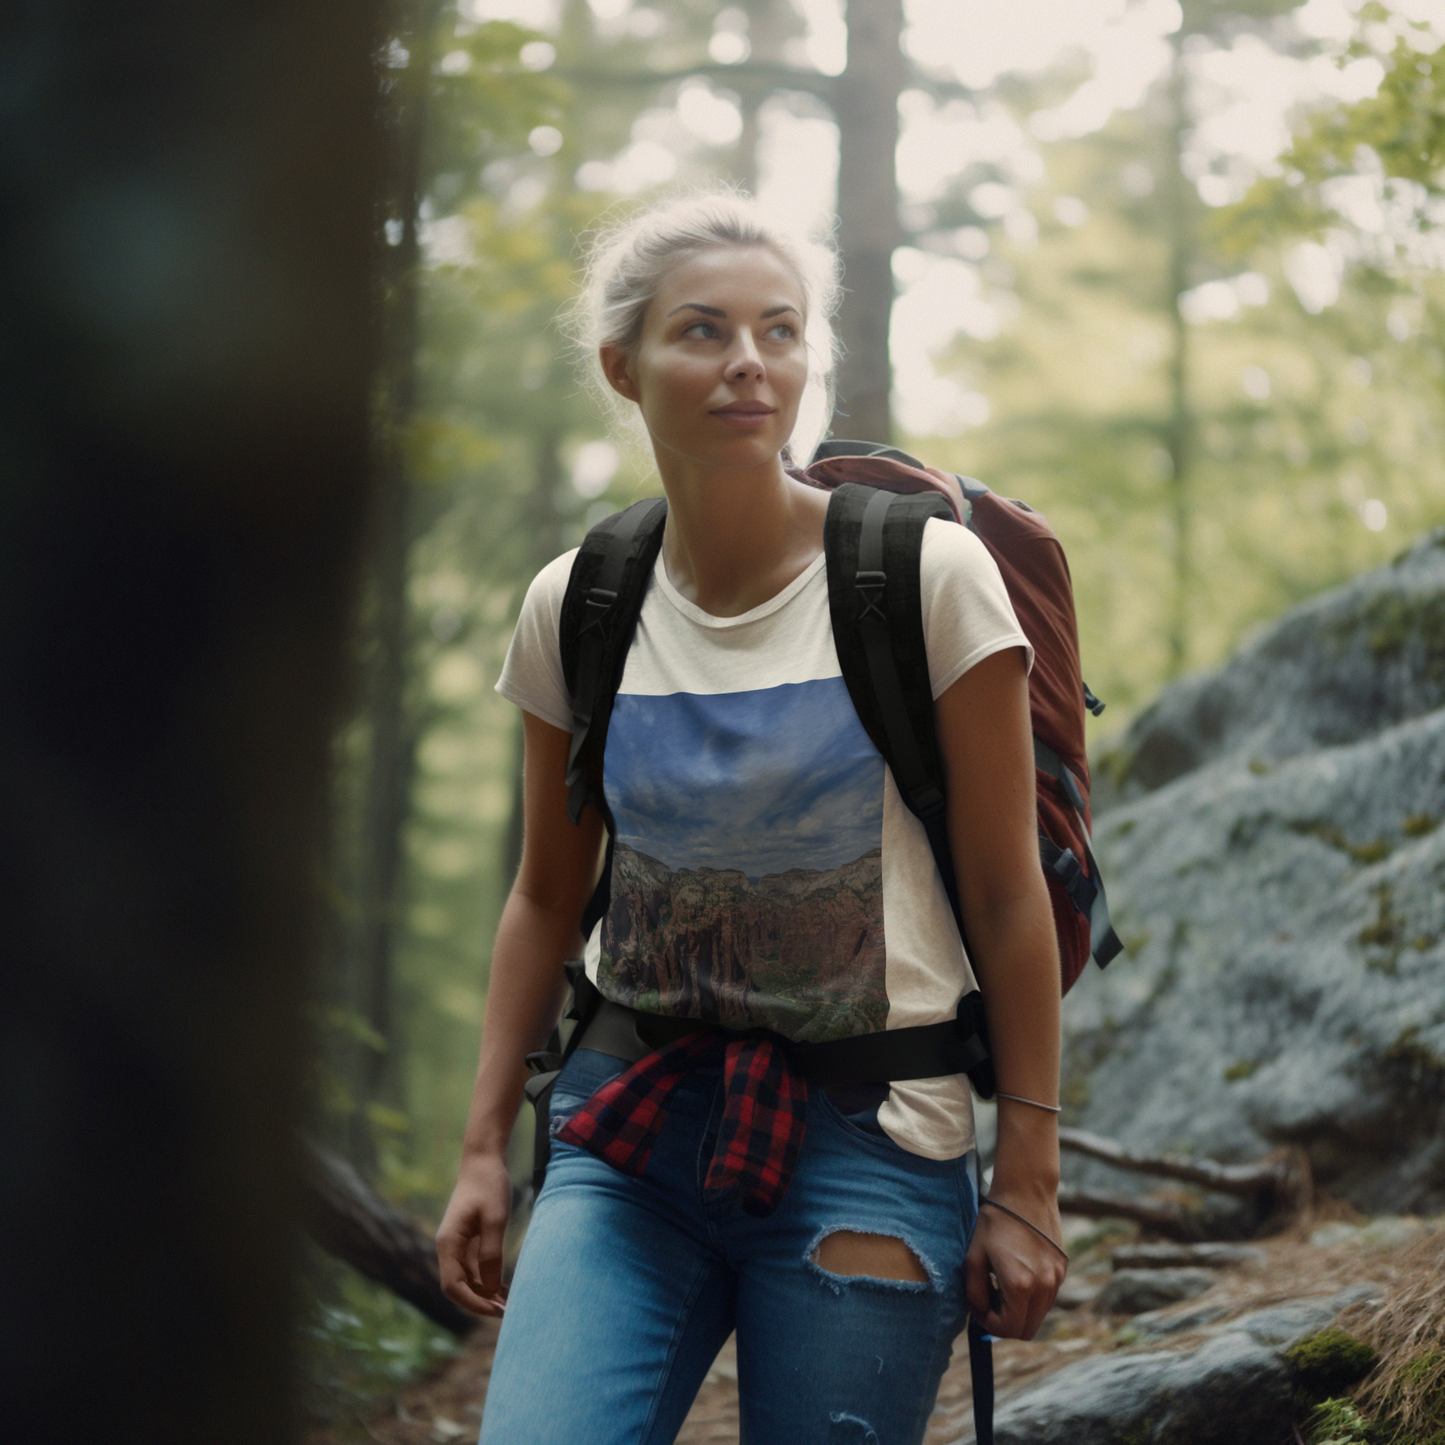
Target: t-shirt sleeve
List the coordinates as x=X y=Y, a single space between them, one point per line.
x=532 y=672
x=967 y=614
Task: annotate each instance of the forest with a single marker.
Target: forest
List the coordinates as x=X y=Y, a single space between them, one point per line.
x=291 y=424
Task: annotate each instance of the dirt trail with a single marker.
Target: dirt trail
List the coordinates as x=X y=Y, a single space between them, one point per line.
x=447 y=1407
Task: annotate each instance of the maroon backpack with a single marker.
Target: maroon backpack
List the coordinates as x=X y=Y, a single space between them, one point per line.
x=873 y=538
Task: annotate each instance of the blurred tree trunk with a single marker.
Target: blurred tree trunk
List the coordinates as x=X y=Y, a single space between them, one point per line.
x=769 y=28
x=386 y=644
x=867 y=111
x=185 y=213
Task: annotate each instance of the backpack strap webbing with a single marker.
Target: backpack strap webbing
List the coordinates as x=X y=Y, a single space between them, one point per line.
x=872 y=539
x=1085 y=890
x=599 y=614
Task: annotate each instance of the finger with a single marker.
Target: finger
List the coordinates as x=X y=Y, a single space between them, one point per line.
x=488 y=1253
x=1045 y=1293
x=461 y=1291
x=461 y=1278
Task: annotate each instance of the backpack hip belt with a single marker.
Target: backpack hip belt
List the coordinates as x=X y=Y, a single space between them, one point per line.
x=922 y=1051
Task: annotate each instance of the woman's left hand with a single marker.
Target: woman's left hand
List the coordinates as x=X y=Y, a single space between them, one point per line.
x=1013 y=1273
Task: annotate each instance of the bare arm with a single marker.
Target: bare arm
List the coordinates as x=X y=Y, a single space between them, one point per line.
x=538 y=930
x=984 y=732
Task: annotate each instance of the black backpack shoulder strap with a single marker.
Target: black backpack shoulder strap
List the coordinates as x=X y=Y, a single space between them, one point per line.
x=599 y=615
x=872 y=539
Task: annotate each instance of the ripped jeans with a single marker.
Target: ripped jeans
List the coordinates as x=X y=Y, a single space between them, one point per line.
x=627 y=1288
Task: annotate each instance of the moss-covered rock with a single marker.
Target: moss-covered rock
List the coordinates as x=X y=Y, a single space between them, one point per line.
x=1328 y=1363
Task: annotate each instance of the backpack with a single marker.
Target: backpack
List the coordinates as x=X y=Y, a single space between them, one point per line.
x=872 y=539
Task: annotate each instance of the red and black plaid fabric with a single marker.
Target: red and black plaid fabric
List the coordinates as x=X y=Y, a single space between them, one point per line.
x=764 y=1115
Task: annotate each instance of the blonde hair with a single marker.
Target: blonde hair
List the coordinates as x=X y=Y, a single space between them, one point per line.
x=628 y=257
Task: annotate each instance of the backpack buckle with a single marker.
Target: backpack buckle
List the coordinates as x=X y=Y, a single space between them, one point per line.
x=926 y=802
x=598 y=604
x=871 y=585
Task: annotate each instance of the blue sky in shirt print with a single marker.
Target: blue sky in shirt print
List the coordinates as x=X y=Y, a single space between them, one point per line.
x=784 y=777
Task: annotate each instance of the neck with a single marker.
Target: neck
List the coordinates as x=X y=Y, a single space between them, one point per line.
x=736 y=537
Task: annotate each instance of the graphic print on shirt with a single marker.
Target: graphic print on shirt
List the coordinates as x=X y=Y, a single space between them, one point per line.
x=747 y=883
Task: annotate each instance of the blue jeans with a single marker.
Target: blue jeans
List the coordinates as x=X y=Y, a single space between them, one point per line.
x=627 y=1288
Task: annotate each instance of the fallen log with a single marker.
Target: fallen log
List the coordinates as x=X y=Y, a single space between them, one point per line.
x=1182 y=1219
x=1268 y=1193
x=351 y=1221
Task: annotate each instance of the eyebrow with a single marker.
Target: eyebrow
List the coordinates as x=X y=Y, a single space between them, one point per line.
x=718 y=311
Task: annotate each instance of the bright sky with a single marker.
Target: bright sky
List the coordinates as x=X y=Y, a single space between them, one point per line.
x=1243 y=96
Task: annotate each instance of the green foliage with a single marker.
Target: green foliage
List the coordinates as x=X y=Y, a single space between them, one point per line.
x=1398 y=134
x=1425 y=1375
x=360 y=1344
x=1304 y=430
x=1338 y=1422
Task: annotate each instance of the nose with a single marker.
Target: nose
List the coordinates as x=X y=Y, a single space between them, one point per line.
x=744 y=362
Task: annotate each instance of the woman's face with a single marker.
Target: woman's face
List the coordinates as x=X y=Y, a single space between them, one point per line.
x=720 y=367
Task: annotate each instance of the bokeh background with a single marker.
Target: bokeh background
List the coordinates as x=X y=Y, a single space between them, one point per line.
x=287 y=424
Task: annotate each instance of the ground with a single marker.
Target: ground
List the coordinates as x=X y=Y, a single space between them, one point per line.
x=1319 y=1255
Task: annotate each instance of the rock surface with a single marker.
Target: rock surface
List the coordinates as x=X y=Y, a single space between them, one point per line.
x=1233 y=1388
x=1271 y=835
x=1133 y=1291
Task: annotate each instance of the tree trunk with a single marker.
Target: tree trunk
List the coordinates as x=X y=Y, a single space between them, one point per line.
x=768 y=30
x=185 y=374
x=348 y=1219
x=868 y=231
x=368 y=961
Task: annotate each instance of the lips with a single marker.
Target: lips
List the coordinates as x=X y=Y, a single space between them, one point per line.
x=744 y=409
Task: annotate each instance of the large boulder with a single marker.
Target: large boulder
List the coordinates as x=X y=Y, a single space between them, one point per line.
x=1271 y=836
x=1235 y=1386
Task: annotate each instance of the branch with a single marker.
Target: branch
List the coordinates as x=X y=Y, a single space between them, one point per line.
x=761 y=75
x=1272 y=1191
x=1245 y=1180
x=1176 y=1220
x=754 y=76
x=348 y=1219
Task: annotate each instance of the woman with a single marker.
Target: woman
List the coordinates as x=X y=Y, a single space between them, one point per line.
x=758 y=846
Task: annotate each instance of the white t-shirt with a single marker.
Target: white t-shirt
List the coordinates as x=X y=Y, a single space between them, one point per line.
x=766 y=871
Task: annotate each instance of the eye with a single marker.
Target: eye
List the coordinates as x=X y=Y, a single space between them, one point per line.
x=704 y=330
x=783 y=331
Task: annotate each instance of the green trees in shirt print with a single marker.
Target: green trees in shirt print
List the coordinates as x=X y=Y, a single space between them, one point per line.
x=800 y=952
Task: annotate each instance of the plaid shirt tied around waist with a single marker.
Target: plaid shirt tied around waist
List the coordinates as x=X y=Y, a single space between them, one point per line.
x=764 y=1115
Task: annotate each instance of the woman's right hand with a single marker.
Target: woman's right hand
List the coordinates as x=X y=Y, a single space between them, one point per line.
x=469 y=1241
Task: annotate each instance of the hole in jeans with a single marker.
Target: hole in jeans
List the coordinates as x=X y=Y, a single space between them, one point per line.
x=869 y=1256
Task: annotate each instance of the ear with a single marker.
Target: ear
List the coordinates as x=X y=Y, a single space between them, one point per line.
x=617 y=368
